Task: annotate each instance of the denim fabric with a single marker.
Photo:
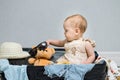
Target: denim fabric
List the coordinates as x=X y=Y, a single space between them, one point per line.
x=13 y=72
x=68 y=71
x=4 y=64
x=55 y=70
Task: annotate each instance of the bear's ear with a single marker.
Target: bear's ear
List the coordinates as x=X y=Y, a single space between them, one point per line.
x=53 y=50
x=33 y=47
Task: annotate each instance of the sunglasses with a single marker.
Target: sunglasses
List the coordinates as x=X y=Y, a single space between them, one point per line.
x=42 y=46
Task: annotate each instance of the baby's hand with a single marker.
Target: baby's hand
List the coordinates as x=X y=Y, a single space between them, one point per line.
x=48 y=42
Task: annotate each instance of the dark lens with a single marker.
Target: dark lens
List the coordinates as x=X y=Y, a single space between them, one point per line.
x=96 y=54
x=42 y=46
x=33 y=52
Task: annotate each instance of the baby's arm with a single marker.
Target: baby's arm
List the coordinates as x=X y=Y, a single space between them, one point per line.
x=90 y=53
x=58 y=43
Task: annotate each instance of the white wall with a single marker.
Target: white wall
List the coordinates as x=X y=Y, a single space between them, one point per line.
x=115 y=56
x=31 y=21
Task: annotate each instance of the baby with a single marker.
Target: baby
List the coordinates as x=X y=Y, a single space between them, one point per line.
x=77 y=49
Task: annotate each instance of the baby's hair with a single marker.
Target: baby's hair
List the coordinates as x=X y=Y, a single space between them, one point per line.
x=78 y=21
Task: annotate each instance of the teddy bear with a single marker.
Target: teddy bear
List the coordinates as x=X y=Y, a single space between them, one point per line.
x=41 y=55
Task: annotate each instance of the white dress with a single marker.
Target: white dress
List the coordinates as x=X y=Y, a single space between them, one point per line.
x=75 y=52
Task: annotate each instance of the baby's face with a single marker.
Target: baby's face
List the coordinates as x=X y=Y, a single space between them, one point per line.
x=70 y=31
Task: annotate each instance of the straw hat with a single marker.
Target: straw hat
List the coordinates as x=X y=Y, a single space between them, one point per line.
x=12 y=50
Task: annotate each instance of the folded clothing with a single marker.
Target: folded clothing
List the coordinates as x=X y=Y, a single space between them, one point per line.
x=98 y=72
x=13 y=72
x=68 y=71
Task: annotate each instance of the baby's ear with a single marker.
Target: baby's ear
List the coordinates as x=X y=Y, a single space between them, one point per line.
x=77 y=30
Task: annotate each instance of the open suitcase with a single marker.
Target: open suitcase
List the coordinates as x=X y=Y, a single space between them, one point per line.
x=98 y=72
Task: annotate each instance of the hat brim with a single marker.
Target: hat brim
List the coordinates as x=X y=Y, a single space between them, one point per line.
x=24 y=54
